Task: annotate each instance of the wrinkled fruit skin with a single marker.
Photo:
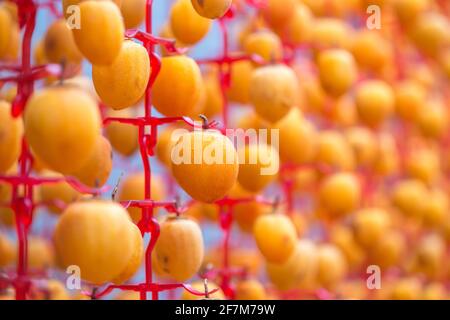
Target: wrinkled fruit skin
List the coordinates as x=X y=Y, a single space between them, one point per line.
x=179 y=249
x=122 y=84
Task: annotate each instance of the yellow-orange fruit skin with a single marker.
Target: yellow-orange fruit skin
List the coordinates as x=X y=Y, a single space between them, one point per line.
x=100 y=256
x=123 y=137
x=337 y=71
x=434 y=119
x=187 y=25
x=59 y=45
x=375 y=102
x=371 y=50
x=179 y=249
x=133 y=12
x=389 y=250
x=241 y=75
x=132 y=188
x=265 y=44
x=299 y=270
x=122 y=84
x=67 y=3
x=211 y=9
x=409 y=100
x=56 y=194
x=259 y=165
x=430 y=33
x=11 y=131
x=340 y=194
x=274 y=91
x=408 y=195
x=370 y=225
x=299 y=28
x=181 y=97
x=6 y=24
x=41 y=253
x=245 y=214
x=62 y=123
x=277 y=14
x=95 y=172
x=213 y=178
x=332 y=266
x=200 y=286
x=99 y=20
x=7 y=251
x=364 y=145
x=276 y=244
x=297 y=138
x=250 y=290
x=334 y=151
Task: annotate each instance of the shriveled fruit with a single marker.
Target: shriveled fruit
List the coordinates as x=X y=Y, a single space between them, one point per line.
x=95 y=172
x=337 y=71
x=179 y=249
x=122 y=84
x=59 y=44
x=133 y=13
x=250 y=290
x=299 y=270
x=211 y=9
x=265 y=44
x=112 y=246
x=278 y=243
x=332 y=266
x=101 y=31
x=375 y=102
x=200 y=286
x=339 y=194
x=62 y=123
x=181 y=97
x=274 y=91
x=370 y=225
x=211 y=158
x=123 y=137
x=11 y=131
x=298 y=138
x=57 y=195
x=258 y=166
x=133 y=188
x=186 y=24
